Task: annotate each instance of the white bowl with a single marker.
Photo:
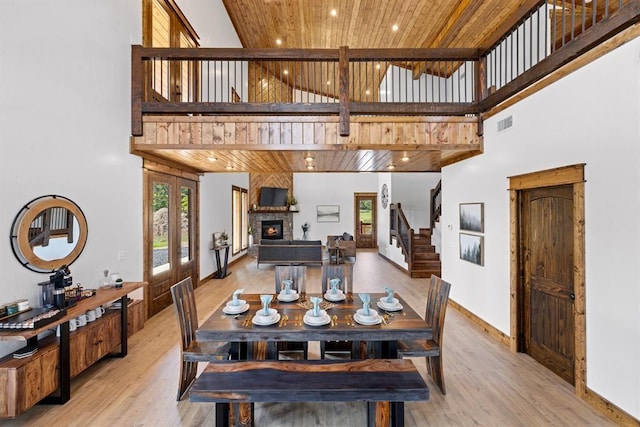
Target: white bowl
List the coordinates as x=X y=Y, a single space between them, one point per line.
x=393 y=303
x=241 y=302
x=272 y=313
x=373 y=315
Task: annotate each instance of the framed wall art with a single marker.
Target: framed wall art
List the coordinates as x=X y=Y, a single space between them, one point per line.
x=328 y=213
x=472 y=248
x=472 y=217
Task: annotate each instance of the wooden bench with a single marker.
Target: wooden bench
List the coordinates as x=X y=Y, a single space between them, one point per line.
x=385 y=384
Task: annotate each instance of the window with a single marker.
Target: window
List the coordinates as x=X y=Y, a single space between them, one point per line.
x=240 y=219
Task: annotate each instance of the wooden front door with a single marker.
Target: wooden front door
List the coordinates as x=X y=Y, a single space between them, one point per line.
x=171 y=252
x=365 y=220
x=547 y=246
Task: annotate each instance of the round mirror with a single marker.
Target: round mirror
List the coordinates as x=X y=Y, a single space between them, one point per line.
x=47 y=233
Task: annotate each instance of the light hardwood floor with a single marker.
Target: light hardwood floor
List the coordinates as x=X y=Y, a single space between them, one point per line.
x=487 y=385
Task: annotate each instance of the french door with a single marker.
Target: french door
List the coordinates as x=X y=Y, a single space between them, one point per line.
x=170 y=235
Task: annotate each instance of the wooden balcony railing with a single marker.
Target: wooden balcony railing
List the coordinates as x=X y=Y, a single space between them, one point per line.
x=344 y=82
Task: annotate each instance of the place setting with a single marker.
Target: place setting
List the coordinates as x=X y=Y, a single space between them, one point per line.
x=236 y=306
x=389 y=303
x=316 y=316
x=366 y=315
x=287 y=294
x=334 y=293
x=266 y=316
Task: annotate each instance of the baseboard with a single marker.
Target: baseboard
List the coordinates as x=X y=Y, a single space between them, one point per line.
x=592 y=398
x=486 y=327
x=212 y=275
x=609 y=409
x=399 y=267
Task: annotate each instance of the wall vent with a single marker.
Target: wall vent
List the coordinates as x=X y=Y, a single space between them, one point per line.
x=505 y=123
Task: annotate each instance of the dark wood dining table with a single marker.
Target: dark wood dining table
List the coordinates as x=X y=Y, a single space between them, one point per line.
x=240 y=330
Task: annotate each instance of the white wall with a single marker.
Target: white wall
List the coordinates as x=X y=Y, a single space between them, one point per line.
x=65 y=127
x=592 y=117
x=312 y=189
x=216 y=215
x=413 y=192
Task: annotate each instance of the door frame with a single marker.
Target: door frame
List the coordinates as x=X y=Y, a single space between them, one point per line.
x=151 y=171
x=374 y=216
x=568 y=175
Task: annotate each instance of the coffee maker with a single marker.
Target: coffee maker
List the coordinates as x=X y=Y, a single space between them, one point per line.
x=59 y=280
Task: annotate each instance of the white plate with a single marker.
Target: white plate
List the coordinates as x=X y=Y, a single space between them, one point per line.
x=338 y=296
x=372 y=314
x=367 y=320
x=394 y=302
x=235 y=309
x=316 y=320
x=240 y=302
x=390 y=307
x=288 y=297
x=265 y=321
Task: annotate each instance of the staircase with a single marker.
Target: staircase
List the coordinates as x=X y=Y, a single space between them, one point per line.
x=425 y=260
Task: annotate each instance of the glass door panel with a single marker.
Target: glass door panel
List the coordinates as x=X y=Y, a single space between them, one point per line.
x=161 y=228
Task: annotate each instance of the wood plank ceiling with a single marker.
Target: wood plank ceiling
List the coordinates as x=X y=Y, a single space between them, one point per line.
x=359 y=24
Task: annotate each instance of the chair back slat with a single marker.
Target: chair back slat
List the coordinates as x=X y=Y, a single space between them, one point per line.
x=184 y=303
x=437 y=300
x=297 y=273
x=344 y=272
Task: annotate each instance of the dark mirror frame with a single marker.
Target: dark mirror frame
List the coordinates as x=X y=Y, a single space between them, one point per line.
x=21 y=246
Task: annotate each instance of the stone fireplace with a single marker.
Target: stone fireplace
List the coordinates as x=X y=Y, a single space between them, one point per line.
x=271 y=229
x=256 y=219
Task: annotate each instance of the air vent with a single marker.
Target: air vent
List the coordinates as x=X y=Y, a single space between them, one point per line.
x=505 y=123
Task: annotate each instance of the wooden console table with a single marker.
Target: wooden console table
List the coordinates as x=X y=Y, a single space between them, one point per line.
x=222 y=272
x=32 y=379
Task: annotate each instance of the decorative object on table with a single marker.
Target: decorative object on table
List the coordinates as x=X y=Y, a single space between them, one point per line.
x=305 y=229
x=366 y=315
x=472 y=248
x=328 y=213
x=293 y=204
x=472 y=217
x=389 y=303
x=316 y=316
x=334 y=293
x=236 y=305
x=105 y=281
x=324 y=305
x=266 y=316
x=250 y=235
x=118 y=283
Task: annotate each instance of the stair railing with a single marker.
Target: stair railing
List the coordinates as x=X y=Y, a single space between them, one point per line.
x=436 y=204
x=400 y=229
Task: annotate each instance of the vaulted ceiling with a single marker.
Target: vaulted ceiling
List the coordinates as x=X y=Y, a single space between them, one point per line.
x=314 y=24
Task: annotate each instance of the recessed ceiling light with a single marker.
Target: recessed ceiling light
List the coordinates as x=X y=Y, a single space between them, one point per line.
x=278 y=42
x=367 y=92
x=391 y=166
x=308 y=157
x=377 y=66
x=229 y=167
x=404 y=158
x=395 y=27
x=211 y=159
x=310 y=167
x=334 y=12
x=286 y=72
x=328 y=83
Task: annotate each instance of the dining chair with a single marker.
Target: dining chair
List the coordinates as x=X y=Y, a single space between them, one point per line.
x=298 y=274
x=192 y=351
x=344 y=272
x=431 y=350
x=338 y=349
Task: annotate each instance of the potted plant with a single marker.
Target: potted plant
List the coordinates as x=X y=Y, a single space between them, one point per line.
x=224 y=237
x=293 y=204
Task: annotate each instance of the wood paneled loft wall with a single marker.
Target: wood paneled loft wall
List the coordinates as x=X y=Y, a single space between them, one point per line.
x=264 y=86
x=277 y=180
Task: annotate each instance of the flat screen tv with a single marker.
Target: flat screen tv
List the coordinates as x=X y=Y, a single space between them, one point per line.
x=270 y=196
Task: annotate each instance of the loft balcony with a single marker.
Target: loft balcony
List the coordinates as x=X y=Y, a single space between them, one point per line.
x=349 y=109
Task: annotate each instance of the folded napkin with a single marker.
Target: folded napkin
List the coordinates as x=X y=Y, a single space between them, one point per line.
x=389 y=295
x=366 y=302
x=287 y=285
x=316 y=305
x=266 y=300
x=334 y=283
x=235 y=296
